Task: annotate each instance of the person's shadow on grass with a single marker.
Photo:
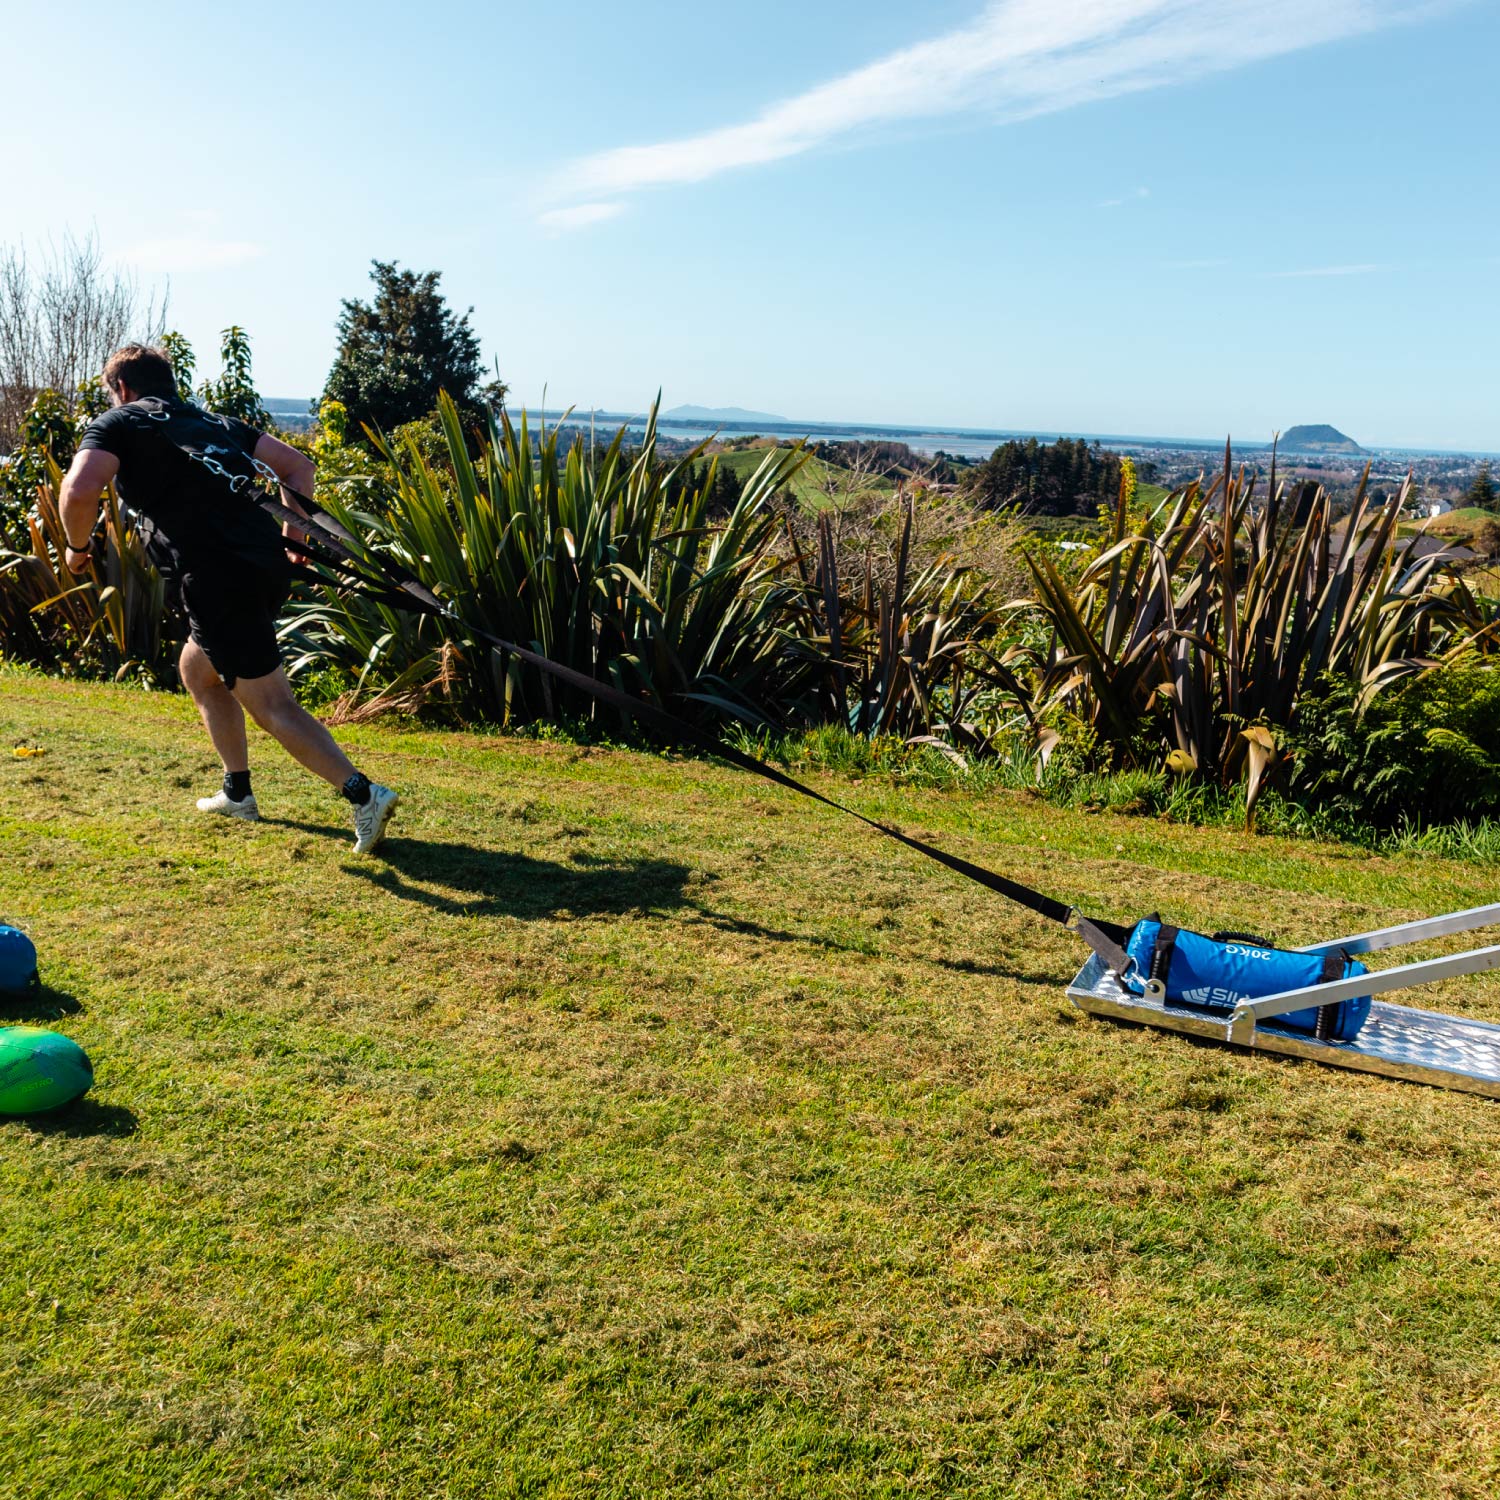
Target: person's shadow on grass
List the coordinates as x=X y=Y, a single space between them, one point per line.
x=468 y=881
x=493 y=882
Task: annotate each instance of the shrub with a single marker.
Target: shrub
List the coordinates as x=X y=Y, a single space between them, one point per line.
x=50 y=429
x=1423 y=753
x=113 y=622
x=1193 y=637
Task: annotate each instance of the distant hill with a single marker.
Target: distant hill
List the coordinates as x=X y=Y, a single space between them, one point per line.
x=720 y=414
x=1317 y=439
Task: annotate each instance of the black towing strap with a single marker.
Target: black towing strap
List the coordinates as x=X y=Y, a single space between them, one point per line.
x=328 y=543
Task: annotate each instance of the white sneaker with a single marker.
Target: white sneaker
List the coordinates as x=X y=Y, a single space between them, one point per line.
x=222 y=802
x=371 y=820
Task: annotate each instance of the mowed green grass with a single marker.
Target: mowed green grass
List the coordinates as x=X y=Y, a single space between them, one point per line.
x=633 y=1128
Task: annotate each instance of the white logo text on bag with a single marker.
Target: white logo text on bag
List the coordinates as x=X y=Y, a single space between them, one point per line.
x=1213 y=994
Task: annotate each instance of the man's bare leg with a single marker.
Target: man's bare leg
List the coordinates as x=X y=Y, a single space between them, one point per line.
x=269 y=701
x=222 y=716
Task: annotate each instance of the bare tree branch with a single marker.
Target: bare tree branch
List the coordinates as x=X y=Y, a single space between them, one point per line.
x=60 y=319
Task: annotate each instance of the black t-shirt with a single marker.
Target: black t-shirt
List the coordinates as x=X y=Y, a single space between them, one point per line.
x=202 y=523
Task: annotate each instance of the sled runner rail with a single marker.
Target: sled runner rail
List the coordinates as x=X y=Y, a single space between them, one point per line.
x=1376 y=982
x=1410 y=932
x=1420 y=1046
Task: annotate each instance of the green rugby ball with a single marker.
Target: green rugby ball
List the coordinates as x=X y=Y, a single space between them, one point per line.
x=40 y=1070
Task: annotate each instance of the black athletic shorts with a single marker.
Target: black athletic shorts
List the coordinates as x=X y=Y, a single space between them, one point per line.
x=232 y=618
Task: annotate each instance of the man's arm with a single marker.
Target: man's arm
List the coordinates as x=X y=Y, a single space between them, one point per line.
x=78 y=501
x=295 y=471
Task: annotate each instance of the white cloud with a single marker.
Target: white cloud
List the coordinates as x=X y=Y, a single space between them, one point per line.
x=1018 y=58
x=190 y=252
x=1325 y=271
x=580 y=216
x=1134 y=197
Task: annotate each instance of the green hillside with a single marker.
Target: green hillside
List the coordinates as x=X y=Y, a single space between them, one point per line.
x=1317 y=438
x=1461 y=525
x=811 y=485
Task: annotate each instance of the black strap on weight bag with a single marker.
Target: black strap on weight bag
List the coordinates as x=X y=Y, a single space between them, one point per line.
x=1334 y=965
x=1161 y=954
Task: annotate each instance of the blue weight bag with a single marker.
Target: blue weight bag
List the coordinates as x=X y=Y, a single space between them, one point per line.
x=17 y=962
x=1218 y=973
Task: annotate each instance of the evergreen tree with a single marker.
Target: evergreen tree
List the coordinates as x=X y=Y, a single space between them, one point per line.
x=1068 y=477
x=726 y=492
x=1482 y=491
x=398 y=351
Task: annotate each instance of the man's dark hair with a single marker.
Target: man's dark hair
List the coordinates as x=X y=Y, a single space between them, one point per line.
x=147 y=371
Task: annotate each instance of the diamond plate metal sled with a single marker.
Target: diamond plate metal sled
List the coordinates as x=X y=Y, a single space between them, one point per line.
x=1423 y=1046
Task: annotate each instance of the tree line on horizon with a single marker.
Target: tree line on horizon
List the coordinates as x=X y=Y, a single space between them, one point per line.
x=397 y=350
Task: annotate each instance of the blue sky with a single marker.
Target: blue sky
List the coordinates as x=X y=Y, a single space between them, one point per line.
x=1178 y=217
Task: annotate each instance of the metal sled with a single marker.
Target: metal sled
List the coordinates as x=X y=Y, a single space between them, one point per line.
x=1424 y=1046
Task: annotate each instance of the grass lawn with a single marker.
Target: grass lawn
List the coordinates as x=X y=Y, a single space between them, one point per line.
x=1468 y=518
x=1461 y=525
x=631 y=1128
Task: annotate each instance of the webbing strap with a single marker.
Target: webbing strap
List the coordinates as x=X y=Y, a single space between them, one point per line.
x=328 y=543
x=1162 y=951
x=396 y=587
x=1334 y=966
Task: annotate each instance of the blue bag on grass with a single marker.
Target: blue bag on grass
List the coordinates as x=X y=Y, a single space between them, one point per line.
x=17 y=961
x=1218 y=973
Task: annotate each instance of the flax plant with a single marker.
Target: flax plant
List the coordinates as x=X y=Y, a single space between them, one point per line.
x=908 y=651
x=1195 y=634
x=111 y=621
x=601 y=559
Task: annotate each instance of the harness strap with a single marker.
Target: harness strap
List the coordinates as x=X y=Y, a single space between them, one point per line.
x=1334 y=965
x=397 y=588
x=329 y=543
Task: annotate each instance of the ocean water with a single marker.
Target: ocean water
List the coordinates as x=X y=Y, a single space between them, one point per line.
x=964 y=442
